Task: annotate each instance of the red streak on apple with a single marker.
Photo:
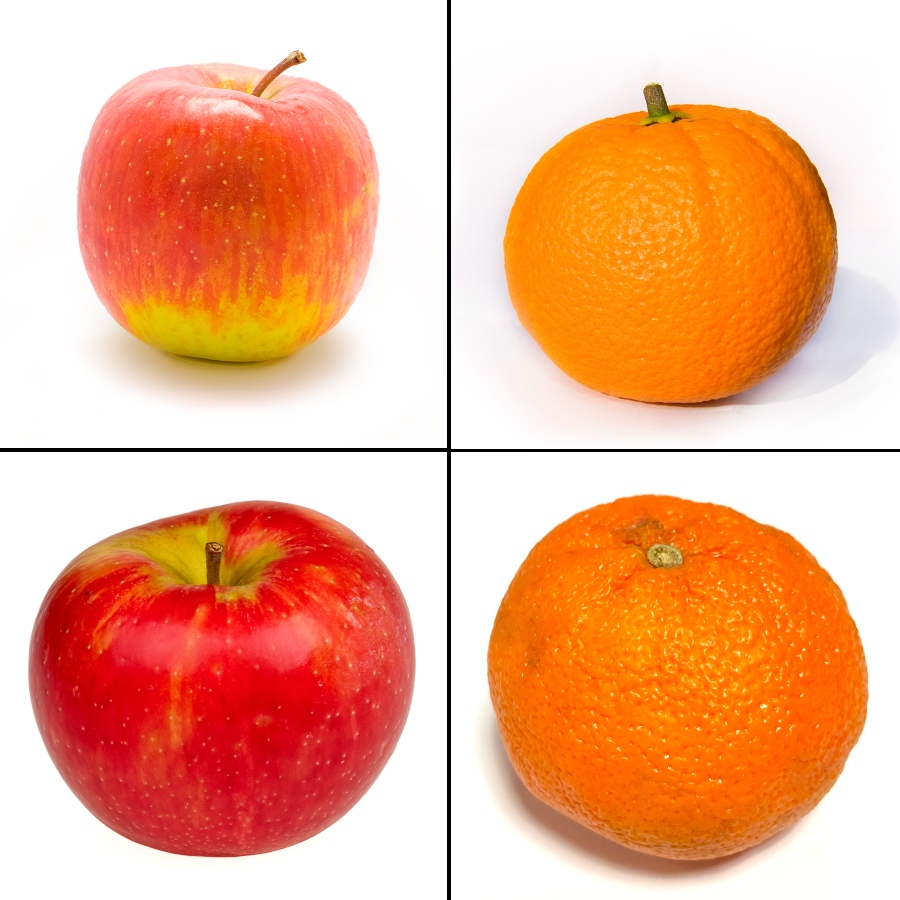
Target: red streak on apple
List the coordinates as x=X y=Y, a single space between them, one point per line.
x=229 y=719
x=215 y=223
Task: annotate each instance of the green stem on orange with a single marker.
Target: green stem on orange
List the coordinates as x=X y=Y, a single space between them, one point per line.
x=657 y=108
x=292 y=59
x=656 y=101
x=662 y=556
x=214 y=551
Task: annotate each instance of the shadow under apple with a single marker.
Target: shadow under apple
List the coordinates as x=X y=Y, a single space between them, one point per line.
x=190 y=379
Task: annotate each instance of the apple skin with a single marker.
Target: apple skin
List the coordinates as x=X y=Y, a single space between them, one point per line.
x=231 y=719
x=216 y=224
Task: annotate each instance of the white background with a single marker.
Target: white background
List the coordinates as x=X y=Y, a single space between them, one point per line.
x=392 y=844
x=508 y=844
x=527 y=73
x=73 y=378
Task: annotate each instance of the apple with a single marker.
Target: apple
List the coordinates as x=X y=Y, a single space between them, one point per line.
x=224 y=682
x=220 y=224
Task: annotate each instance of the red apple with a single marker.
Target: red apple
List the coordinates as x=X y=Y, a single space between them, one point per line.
x=223 y=719
x=218 y=224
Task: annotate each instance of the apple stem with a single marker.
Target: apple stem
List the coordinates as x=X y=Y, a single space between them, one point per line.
x=292 y=60
x=214 y=553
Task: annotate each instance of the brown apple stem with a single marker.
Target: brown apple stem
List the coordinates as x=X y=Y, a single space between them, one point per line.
x=294 y=59
x=214 y=553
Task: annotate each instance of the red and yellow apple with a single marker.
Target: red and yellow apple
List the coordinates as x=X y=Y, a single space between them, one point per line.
x=214 y=223
x=225 y=682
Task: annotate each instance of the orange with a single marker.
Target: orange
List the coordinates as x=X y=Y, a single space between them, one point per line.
x=672 y=258
x=676 y=676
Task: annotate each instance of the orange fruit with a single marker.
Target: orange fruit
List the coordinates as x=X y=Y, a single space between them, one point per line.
x=676 y=676
x=672 y=258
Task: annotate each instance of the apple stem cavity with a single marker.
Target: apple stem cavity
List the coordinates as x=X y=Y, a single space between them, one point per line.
x=291 y=60
x=214 y=553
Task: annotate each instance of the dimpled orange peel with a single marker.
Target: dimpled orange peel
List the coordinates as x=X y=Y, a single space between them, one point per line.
x=676 y=677
x=674 y=257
